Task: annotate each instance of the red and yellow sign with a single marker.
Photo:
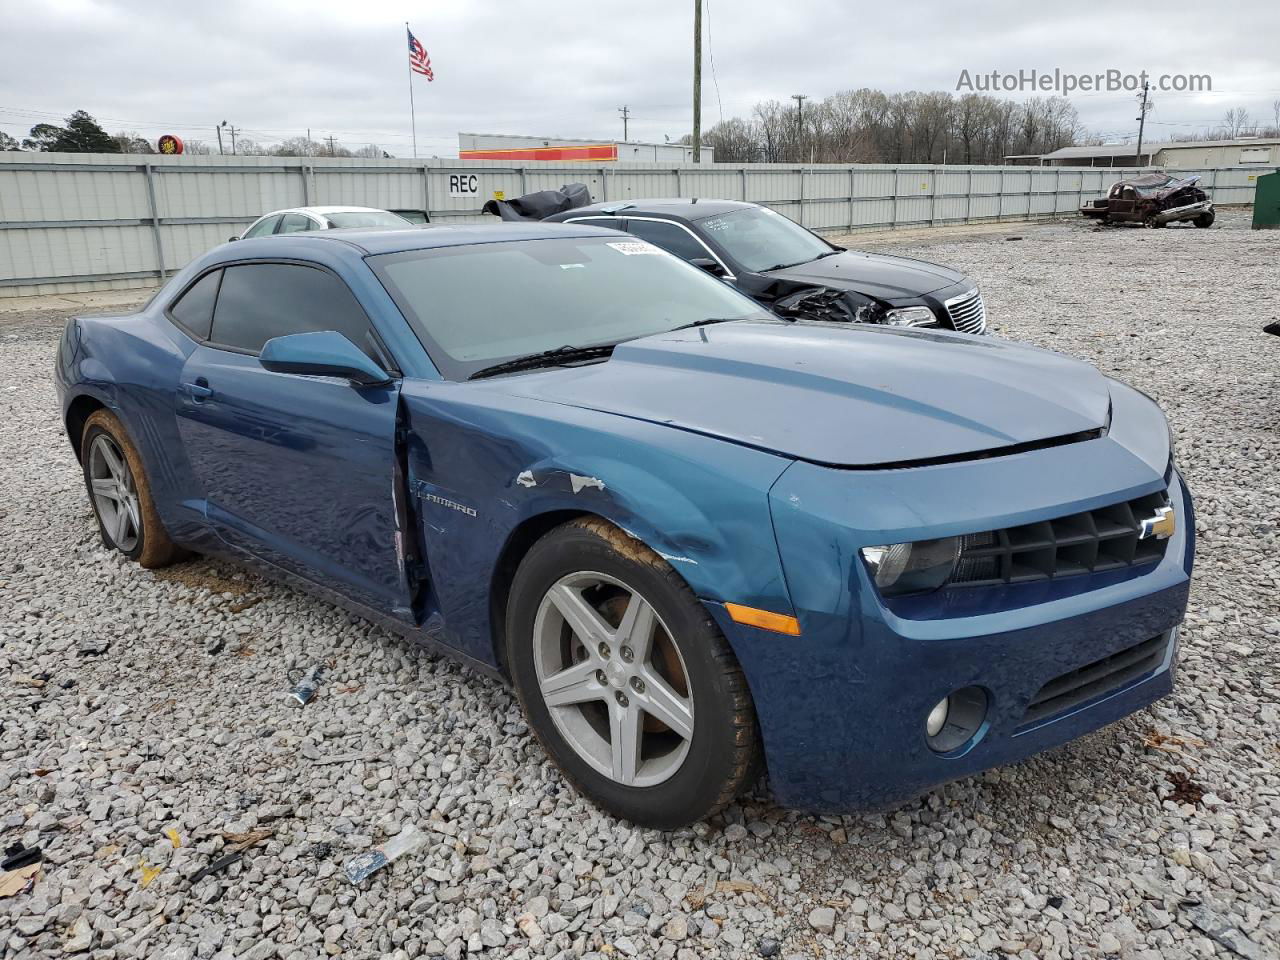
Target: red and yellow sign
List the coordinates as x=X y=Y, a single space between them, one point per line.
x=581 y=153
x=169 y=144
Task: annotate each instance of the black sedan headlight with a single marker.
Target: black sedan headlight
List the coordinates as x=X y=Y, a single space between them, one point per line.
x=910 y=317
x=899 y=568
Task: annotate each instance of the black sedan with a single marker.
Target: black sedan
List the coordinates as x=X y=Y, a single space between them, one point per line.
x=791 y=270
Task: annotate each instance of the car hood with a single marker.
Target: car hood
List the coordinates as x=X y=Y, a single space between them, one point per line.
x=840 y=394
x=873 y=274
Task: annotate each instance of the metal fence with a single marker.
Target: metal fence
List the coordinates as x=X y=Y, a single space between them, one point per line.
x=79 y=222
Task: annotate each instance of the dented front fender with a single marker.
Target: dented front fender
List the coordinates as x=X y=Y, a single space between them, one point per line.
x=482 y=463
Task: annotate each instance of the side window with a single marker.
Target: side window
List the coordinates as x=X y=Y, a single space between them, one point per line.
x=259 y=301
x=296 y=223
x=194 y=309
x=263 y=228
x=669 y=237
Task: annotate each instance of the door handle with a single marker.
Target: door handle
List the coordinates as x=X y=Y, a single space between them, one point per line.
x=199 y=390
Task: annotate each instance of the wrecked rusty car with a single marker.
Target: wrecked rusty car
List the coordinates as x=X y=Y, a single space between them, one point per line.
x=1153 y=200
x=698 y=539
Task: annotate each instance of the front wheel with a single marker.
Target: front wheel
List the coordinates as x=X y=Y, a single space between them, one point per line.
x=626 y=680
x=1205 y=220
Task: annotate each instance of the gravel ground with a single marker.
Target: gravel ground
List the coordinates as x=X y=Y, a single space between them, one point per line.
x=146 y=726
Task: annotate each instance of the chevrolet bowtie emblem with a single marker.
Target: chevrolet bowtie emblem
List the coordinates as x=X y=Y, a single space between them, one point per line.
x=1160 y=525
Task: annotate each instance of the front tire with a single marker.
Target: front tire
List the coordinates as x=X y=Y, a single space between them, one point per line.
x=1205 y=220
x=626 y=680
x=120 y=494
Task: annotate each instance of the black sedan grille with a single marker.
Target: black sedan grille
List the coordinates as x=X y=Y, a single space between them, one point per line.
x=1108 y=538
x=1096 y=679
x=967 y=312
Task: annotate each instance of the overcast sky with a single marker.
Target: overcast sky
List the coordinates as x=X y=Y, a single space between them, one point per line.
x=278 y=67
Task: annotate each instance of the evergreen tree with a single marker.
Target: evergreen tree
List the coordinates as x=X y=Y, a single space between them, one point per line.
x=81 y=135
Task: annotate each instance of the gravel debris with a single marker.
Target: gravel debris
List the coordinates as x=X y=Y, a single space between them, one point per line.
x=184 y=722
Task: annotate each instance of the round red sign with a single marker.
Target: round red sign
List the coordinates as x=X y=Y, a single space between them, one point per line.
x=169 y=144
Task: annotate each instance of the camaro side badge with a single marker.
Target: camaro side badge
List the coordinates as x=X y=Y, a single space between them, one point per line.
x=1160 y=525
x=423 y=492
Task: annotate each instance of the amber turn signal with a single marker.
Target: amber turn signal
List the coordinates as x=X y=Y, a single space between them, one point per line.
x=777 y=622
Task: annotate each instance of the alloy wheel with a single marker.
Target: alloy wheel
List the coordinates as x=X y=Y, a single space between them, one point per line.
x=613 y=679
x=114 y=493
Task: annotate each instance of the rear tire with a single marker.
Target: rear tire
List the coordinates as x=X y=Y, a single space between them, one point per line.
x=655 y=722
x=121 y=495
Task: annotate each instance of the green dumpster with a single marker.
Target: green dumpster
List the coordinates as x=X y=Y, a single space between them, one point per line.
x=1266 y=202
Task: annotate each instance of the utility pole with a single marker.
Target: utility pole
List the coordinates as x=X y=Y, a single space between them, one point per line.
x=625 y=112
x=799 y=98
x=233 y=132
x=1142 y=116
x=332 y=149
x=218 y=131
x=697 y=81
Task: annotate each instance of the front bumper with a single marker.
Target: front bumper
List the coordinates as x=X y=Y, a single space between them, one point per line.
x=842 y=707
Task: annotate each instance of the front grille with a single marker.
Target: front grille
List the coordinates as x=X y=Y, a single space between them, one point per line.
x=967 y=312
x=1096 y=679
x=1092 y=542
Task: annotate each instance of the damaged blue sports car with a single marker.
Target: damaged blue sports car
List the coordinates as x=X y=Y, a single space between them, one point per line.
x=697 y=539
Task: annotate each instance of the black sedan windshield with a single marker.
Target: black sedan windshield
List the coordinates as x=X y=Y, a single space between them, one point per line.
x=477 y=305
x=760 y=239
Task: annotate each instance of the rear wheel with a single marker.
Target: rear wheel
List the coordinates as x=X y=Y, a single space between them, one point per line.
x=120 y=494
x=626 y=680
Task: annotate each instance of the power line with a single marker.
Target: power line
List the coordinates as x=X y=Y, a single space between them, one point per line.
x=711 y=56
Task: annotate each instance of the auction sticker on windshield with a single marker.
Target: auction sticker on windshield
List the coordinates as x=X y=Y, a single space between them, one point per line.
x=635 y=248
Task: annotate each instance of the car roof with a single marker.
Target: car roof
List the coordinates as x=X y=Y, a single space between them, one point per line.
x=325 y=210
x=373 y=241
x=690 y=208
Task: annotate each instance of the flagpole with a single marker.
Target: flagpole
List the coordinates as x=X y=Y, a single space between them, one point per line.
x=413 y=116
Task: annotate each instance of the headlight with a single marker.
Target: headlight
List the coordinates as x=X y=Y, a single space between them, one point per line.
x=910 y=317
x=899 y=568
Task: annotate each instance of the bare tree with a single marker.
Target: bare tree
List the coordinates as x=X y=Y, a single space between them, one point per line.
x=130 y=142
x=298 y=147
x=1235 y=121
x=870 y=126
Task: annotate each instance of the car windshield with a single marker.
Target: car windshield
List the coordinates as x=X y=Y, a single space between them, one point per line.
x=476 y=305
x=760 y=239
x=365 y=218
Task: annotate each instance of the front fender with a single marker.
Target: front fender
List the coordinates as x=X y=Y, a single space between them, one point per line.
x=484 y=464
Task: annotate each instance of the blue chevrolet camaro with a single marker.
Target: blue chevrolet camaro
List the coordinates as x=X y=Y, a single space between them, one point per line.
x=697 y=539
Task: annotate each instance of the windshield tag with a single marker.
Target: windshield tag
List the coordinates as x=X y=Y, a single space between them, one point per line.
x=635 y=248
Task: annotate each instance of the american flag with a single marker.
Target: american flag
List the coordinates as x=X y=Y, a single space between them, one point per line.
x=419 y=62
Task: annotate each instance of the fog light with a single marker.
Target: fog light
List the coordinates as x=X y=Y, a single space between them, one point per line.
x=958 y=722
x=938 y=717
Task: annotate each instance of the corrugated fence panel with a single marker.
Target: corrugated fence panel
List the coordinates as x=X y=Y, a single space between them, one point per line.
x=71 y=222
x=399 y=190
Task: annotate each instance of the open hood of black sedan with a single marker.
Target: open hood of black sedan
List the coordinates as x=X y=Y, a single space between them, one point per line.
x=873 y=274
x=848 y=395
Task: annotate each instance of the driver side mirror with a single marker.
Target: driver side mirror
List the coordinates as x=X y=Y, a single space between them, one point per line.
x=709 y=265
x=232 y=239
x=324 y=353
